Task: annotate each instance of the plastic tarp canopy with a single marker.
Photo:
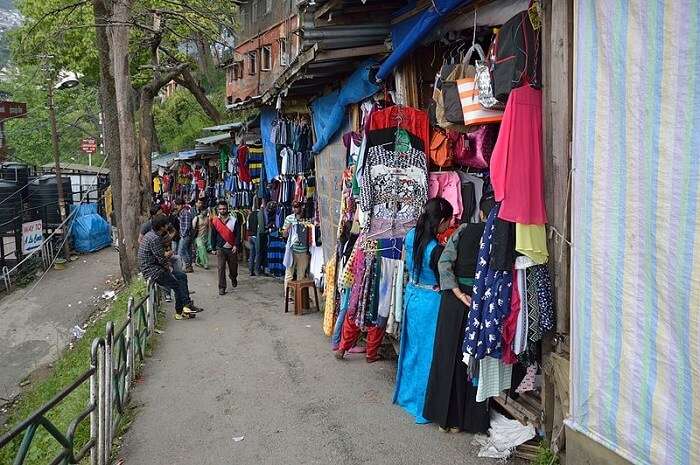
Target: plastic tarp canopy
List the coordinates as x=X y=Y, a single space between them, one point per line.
x=90 y=231
x=635 y=214
x=267 y=116
x=407 y=34
x=329 y=111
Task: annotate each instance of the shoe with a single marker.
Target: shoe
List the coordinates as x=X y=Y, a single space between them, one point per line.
x=455 y=430
x=184 y=316
x=168 y=298
x=340 y=354
x=188 y=311
x=443 y=430
x=189 y=269
x=376 y=358
x=253 y=274
x=222 y=291
x=194 y=308
x=234 y=283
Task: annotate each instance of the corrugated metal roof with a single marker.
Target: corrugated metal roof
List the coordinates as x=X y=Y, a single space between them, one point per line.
x=210 y=140
x=224 y=127
x=77 y=167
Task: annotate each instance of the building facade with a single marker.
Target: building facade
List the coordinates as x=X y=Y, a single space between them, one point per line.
x=267 y=43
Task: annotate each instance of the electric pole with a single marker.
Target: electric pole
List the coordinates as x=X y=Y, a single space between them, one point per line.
x=56 y=158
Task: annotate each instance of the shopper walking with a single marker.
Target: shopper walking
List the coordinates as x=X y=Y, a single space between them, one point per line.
x=421 y=302
x=225 y=244
x=154 y=263
x=450 y=400
x=185 y=217
x=200 y=228
x=297 y=250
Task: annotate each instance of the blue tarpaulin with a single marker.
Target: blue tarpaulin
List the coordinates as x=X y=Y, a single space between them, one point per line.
x=329 y=110
x=407 y=34
x=267 y=116
x=90 y=231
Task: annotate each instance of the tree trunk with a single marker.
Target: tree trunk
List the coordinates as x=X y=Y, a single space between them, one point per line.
x=204 y=58
x=188 y=81
x=110 y=124
x=132 y=188
x=146 y=137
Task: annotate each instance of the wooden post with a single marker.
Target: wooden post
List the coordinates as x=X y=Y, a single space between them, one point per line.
x=557 y=78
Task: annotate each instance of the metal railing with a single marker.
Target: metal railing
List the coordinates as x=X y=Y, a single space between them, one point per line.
x=113 y=363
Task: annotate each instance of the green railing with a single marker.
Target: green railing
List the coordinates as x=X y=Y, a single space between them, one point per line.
x=113 y=364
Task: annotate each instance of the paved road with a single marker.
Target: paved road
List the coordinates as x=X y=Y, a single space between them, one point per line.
x=245 y=369
x=35 y=324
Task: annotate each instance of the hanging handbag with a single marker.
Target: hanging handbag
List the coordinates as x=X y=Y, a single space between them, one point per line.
x=472 y=111
x=440 y=153
x=460 y=147
x=481 y=143
x=484 y=85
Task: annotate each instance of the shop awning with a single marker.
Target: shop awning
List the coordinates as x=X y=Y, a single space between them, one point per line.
x=408 y=34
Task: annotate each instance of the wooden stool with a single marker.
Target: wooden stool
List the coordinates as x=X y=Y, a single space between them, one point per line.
x=299 y=287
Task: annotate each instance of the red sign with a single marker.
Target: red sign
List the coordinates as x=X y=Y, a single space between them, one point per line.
x=12 y=109
x=88 y=145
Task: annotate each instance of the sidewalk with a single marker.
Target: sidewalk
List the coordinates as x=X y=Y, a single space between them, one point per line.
x=35 y=327
x=244 y=369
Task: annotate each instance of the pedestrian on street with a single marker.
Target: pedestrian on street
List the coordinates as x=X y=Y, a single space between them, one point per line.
x=224 y=243
x=295 y=228
x=154 y=263
x=200 y=227
x=252 y=228
x=185 y=217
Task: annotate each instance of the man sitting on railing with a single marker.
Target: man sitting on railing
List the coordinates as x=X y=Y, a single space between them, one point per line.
x=154 y=263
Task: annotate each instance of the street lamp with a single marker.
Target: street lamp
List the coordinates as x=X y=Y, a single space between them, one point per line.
x=66 y=80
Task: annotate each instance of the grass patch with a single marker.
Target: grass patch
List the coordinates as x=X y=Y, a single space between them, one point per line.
x=70 y=365
x=545 y=456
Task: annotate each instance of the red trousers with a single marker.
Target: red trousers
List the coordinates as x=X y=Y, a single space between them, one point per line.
x=351 y=332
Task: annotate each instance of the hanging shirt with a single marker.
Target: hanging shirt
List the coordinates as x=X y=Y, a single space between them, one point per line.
x=413 y=120
x=394 y=190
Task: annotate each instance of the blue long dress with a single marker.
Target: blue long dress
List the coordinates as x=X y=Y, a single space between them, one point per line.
x=421 y=305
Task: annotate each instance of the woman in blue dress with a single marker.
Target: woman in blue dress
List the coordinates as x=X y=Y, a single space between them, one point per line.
x=421 y=304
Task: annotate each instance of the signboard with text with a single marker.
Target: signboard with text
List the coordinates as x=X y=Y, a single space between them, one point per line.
x=12 y=109
x=32 y=236
x=88 y=145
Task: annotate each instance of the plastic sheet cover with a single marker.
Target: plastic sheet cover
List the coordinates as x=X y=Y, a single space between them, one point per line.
x=90 y=232
x=329 y=111
x=635 y=353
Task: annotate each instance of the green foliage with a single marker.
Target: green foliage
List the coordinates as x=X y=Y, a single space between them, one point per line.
x=77 y=117
x=179 y=120
x=545 y=456
x=67 y=369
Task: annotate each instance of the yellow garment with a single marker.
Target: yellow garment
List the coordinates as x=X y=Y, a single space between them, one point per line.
x=157 y=184
x=108 y=203
x=347 y=278
x=531 y=240
x=329 y=293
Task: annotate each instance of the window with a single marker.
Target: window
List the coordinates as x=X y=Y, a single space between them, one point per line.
x=268 y=6
x=266 y=58
x=284 y=55
x=253 y=57
x=238 y=70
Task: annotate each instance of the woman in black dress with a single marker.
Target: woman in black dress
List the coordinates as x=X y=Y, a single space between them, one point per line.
x=451 y=397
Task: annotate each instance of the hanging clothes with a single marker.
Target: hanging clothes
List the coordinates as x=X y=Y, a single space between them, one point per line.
x=446 y=184
x=394 y=190
x=413 y=120
x=516 y=161
x=421 y=300
x=490 y=302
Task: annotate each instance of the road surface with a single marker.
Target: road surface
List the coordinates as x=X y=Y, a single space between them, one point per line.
x=245 y=383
